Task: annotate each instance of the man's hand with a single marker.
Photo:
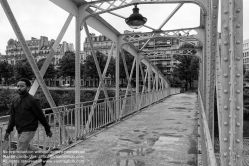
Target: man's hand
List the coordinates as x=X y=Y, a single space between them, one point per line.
x=49 y=134
x=6 y=136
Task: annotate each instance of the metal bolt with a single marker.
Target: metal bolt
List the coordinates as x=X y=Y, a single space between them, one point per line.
x=230 y=116
x=238 y=156
x=238 y=91
x=237 y=58
x=225 y=43
x=225 y=75
x=225 y=123
x=225 y=59
x=238 y=140
x=225 y=139
x=238 y=124
x=238 y=11
x=225 y=12
x=215 y=7
x=238 y=107
x=238 y=26
x=225 y=154
x=238 y=42
x=225 y=107
x=225 y=91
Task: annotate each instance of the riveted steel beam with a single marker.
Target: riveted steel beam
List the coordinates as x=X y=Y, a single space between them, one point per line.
x=232 y=82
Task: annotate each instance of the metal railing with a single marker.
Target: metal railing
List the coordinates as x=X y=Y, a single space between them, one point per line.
x=93 y=115
x=207 y=150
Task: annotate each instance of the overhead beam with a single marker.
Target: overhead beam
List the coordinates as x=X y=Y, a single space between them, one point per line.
x=66 y=5
x=171 y=15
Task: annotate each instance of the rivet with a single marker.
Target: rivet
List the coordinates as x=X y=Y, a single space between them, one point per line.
x=225 y=107
x=214 y=25
x=237 y=58
x=230 y=148
x=238 y=156
x=225 y=59
x=238 y=75
x=225 y=123
x=225 y=139
x=225 y=91
x=213 y=35
x=229 y=163
x=225 y=26
x=225 y=12
x=225 y=75
x=238 y=26
x=225 y=154
x=238 y=141
x=230 y=83
x=238 y=91
x=238 y=124
x=238 y=42
x=238 y=107
x=225 y=43
x=215 y=7
x=230 y=116
x=238 y=11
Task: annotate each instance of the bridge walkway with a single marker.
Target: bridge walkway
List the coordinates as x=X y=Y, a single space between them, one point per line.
x=164 y=134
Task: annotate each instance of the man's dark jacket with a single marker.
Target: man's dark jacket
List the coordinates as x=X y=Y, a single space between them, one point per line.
x=25 y=113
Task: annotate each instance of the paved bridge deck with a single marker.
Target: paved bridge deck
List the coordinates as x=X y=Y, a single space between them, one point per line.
x=164 y=134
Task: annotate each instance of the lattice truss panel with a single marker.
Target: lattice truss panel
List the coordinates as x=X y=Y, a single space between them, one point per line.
x=105 y=5
x=181 y=33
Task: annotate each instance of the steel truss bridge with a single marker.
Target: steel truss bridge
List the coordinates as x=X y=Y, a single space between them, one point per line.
x=220 y=73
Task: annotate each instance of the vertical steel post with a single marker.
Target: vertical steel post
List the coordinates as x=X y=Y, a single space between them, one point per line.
x=77 y=73
x=232 y=81
x=137 y=73
x=149 y=77
x=157 y=80
x=208 y=61
x=212 y=50
x=117 y=80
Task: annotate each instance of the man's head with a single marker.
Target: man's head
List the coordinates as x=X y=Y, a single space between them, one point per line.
x=23 y=86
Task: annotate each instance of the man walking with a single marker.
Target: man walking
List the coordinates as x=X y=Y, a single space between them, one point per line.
x=25 y=113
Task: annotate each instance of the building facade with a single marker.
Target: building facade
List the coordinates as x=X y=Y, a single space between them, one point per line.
x=246 y=54
x=39 y=48
x=103 y=45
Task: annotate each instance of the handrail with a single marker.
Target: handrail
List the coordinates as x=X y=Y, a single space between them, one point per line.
x=101 y=118
x=206 y=137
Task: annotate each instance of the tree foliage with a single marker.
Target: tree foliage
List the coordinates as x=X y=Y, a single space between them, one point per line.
x=50 y=72
x=6 y=72
x=23 y=69
x=90 y=66
x=187 y=69
x=67 y=65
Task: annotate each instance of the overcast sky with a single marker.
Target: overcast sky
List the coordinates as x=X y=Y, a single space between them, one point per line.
x=43 y=18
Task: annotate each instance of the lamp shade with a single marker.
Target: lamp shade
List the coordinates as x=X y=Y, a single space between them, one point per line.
x=136 y=20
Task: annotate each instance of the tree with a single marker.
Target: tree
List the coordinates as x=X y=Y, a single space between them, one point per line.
x=50 y=72
x=6 y=72
x=129 y=61
x=90 y=66
x=67 y=65
x=187 y=70
x=22 y=69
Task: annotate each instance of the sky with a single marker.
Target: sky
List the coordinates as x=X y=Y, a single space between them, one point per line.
x=43 y=18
